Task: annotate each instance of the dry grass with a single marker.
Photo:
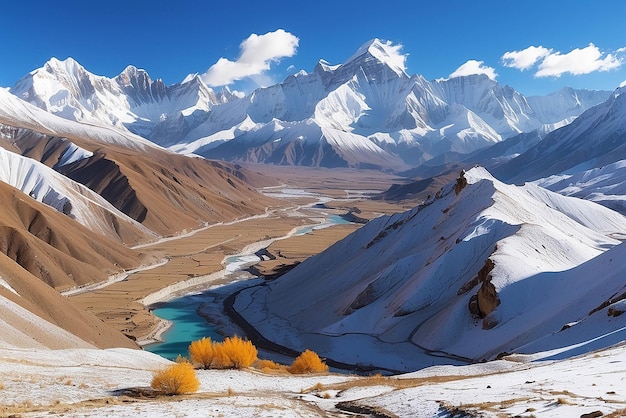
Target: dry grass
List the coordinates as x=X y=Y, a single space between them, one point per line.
x=563 y=401
x=271 y=367
x=378 y=380
x=315 y=388
x=474 y=409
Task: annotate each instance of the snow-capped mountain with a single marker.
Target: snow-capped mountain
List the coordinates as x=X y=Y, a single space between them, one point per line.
x=131 y=101
x=480 y=269
x=595 y=139
x=366 y=111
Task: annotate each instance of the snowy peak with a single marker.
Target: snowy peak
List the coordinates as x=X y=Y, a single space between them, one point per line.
x=67 y=66
x=594 y=139
x=137 y=84
x=132 y=101
x=382 y=52
x=133 y=76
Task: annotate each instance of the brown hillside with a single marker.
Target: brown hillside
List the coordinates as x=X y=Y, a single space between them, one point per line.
x=150 y=185
x=45 y=302
x=55 y=248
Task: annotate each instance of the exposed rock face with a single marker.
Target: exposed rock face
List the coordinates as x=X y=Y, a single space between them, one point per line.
x=483 y=275
x=461 y=182
x=486 y=300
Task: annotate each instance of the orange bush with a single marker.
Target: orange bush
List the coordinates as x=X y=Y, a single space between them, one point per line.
x=176 y=379
x=242 y=353
x=221 y=360
x=308 y=362
x=234 y=352
x=201 y=352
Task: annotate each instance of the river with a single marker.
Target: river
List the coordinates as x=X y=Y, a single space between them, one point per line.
x=186 y=325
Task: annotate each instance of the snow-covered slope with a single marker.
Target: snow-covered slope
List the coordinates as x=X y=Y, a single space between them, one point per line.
x=83 y=382
x=473 y=272
x=595 y=139
x=68 y=197
x=605 y=185
x=368 y=99
x=17 y=112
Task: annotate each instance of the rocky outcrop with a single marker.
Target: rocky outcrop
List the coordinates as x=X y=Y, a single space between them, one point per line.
x=461 y=183
x=486 y=300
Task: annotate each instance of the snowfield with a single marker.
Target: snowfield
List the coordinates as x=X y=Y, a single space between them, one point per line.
x=95 y=383
x=605 y=185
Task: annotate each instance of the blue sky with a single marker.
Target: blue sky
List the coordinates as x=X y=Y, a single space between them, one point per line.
x=171 y=39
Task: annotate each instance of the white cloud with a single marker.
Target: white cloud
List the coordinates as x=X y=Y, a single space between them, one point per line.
x=392 y=54
x=578 y=61
x=554 y=64
x=474 y=67
x=623 y=84
x=257 y=53
x=526 y=58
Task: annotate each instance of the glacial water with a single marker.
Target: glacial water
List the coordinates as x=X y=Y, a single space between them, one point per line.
x=187 y=325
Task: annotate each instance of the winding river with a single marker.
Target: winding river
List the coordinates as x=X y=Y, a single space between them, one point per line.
x=186 y=325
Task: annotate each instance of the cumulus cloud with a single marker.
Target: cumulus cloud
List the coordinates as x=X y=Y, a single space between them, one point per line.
x=474 y=67
x=526 y=58
x=549 y=63
x=577 y=61
x=258 y=52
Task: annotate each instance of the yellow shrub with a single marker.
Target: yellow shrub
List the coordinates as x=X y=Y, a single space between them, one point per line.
x=242 y=353
x=220 y=357
x=234 y=352
x=201 y=352
x=176 y=379
x=308 y=362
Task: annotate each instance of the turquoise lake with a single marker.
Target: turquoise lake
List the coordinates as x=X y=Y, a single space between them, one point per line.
x=187 y=325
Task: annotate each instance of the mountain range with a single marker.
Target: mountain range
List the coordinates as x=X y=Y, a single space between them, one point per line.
x=92 y=166
x=366 y=112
